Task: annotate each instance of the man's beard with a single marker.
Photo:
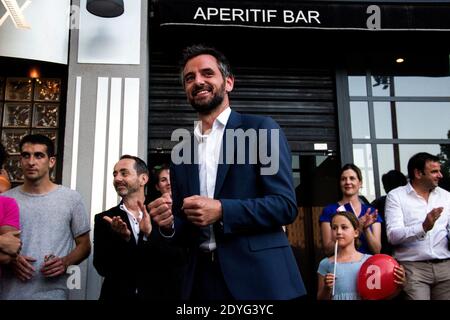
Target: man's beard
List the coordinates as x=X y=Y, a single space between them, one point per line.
x=129 y=189
x=208 y=107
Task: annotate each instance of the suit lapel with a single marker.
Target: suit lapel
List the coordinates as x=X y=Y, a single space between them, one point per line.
x=234 y=122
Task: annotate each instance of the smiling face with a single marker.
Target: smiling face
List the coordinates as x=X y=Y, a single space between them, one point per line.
x=126 y=180
x=430 y=176
x=163 y=184
x=204 y=84
x=350 y=183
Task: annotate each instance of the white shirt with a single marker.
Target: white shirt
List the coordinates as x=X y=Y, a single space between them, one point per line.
x=405 y=212
x=133 y=221
x=209 y=148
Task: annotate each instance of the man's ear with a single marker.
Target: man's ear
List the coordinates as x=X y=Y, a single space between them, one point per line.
x=52 y=162
x=229 y=84
x=144 y=179
x=417 y=173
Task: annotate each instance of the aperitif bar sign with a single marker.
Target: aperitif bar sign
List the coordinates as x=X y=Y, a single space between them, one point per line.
x=305 y=14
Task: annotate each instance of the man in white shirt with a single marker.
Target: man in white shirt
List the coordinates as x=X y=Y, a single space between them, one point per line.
x=124 y=247
x=417 y=220
x=230 y=213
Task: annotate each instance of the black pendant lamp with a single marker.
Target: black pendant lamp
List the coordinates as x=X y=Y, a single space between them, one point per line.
x=105 y=8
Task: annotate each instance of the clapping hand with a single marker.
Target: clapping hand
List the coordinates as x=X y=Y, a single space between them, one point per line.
x=145 y=225
x=119 y=226
x=431 y=218
x=368 y=219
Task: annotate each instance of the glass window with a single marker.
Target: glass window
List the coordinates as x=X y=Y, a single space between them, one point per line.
x=19 y=89
x=17 y=115
x=296 y=177
x=359 y=113
x=381 y=86
x=20 y=115
x=383 y=120
x=423 y=120
x=362 y=157
x=320 y=160
x=422 y=86
x=396 y=106
x=408 y=150
x=295 y=162
x=296 y=169
x=47 y=90
x=386 y=162
x=357 y=85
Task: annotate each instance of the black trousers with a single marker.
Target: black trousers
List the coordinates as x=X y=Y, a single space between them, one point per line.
x=209 y=284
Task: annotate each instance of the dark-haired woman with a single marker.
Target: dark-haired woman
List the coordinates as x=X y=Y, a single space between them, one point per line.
x=370 y=223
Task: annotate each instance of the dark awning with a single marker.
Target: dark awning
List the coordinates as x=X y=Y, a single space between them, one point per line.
x=290 y=14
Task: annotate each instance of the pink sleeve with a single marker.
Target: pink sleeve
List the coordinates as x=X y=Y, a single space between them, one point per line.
x=9 y=214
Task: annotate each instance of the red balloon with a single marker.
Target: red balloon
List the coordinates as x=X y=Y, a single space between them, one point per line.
x=376 y=278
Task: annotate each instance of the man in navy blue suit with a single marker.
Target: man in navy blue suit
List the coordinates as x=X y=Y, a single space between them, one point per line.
x=232 y=191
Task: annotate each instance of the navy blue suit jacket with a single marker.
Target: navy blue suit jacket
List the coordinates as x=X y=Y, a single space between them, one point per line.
x=254 y=253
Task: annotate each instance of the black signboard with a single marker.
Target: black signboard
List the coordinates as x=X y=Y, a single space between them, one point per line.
x=351 y=15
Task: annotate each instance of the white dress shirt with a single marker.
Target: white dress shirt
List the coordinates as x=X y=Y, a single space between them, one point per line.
x=133 y=222
x=209 y=148
x=405 y=212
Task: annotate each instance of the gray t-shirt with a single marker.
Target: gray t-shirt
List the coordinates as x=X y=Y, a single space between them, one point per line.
x=49 y=224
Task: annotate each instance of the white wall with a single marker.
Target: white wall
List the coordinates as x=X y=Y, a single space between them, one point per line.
x=48 y=36
x=110 y=40
x=107 y=116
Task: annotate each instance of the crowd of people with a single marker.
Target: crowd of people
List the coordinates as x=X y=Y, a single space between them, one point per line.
x=212 y=229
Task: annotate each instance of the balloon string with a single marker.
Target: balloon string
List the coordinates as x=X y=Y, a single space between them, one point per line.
x=335 y=265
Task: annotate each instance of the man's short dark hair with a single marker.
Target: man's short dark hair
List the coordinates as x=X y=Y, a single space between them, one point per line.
x=199 y=49
x=393 y=179
x=39 y=139
x=418 y=161
x=139 y=165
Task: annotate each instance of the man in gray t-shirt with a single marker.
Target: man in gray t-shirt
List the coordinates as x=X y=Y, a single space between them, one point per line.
x=53 y=220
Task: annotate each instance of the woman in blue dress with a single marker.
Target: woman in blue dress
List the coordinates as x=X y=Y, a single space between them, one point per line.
x=370 y=223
